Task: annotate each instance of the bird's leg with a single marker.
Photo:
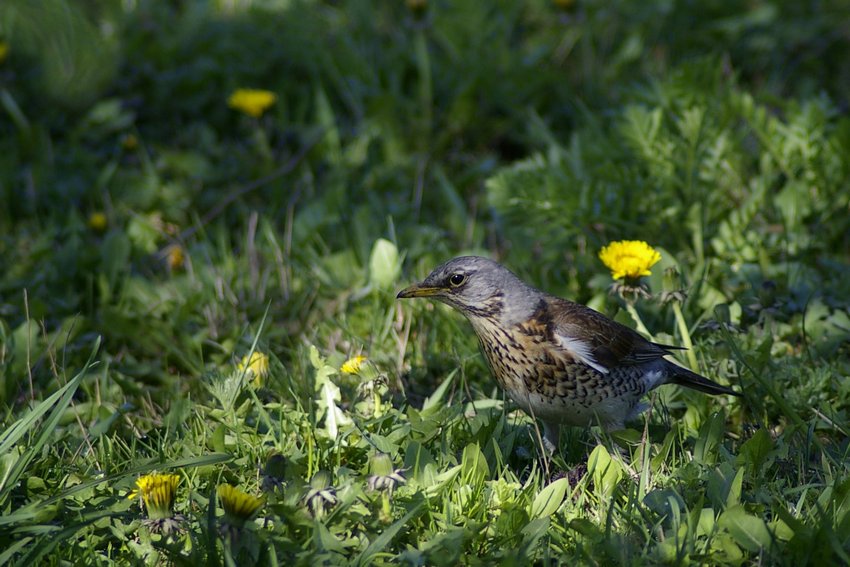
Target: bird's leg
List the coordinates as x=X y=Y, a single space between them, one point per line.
x=548 y=445
x=551 y=436
x=548 y=441
x=551 y=440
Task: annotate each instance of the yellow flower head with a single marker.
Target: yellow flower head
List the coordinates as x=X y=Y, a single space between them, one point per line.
x=353 y=364
x=175 y=256
x=157 y=492
x=238 y=505
x=257 y=365
x=4 y=51
x=98 y=221
x=629 y=258
x=253 y=102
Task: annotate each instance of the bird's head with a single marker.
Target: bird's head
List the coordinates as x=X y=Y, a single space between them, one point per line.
x=477 y=287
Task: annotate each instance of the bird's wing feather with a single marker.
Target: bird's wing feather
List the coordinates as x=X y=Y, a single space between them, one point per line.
x=599 y=342
x=580 y=350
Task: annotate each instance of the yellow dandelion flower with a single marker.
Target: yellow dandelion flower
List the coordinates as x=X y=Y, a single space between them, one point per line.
x=157 y=492
x=353 y=364
x=175 y=256
x=4 y=51
x=97 y=221
x=253 y=102
x=238 y=505
x=257 y=365
x=629 y=258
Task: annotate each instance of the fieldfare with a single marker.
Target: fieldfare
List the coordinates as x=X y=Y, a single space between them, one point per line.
x=561 y=362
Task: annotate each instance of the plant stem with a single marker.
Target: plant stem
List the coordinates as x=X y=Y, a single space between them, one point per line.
x=376 y=398
x=630 y=307
x=423 y=64
x=686 y=334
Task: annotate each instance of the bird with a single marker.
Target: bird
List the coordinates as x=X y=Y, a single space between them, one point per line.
x=561 y=362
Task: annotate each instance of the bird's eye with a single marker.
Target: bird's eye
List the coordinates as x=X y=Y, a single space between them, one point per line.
x=457 y=280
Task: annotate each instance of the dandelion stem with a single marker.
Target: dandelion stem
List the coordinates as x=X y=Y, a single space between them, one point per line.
x=630 y=307
x=686 y=334
x=376 y=397
x=423 y=63
x=310 y=470
x=386 y=509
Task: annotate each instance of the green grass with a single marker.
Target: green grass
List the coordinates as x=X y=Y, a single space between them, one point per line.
x=716 y=131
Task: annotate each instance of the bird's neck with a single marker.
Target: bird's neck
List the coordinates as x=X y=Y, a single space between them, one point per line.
x=505 y=309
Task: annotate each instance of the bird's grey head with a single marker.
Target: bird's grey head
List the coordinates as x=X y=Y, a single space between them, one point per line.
x=477 y=287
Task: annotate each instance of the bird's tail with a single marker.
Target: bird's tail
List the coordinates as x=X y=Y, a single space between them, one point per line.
x=685 y=377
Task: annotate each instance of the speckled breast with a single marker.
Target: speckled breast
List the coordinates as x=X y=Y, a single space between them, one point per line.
x=549 y=384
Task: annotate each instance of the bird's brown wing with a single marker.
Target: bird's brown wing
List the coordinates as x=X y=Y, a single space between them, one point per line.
x=603 y=341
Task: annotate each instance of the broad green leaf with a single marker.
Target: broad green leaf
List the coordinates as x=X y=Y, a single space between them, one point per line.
x=585 y=527
x=734 y=496
x=605 y=471
x=550 y=498
x=710 y=436
x=382 y=443
x=324 y=540
x=534 y=530
x=720 y=481
x=384 y=264
x=705 y=525
x=750 y=532
x=315 y=358
x=216 y=440
x=416 y=457
x=781 y=530
x=755 y=450
x=725 y=544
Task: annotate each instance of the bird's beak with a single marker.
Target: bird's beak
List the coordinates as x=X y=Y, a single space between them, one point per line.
x=418 y=290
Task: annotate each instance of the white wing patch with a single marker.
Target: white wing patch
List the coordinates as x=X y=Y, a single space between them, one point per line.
x=580 y=350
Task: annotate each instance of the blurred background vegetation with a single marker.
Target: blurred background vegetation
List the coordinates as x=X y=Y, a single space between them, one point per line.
x=138 y=206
